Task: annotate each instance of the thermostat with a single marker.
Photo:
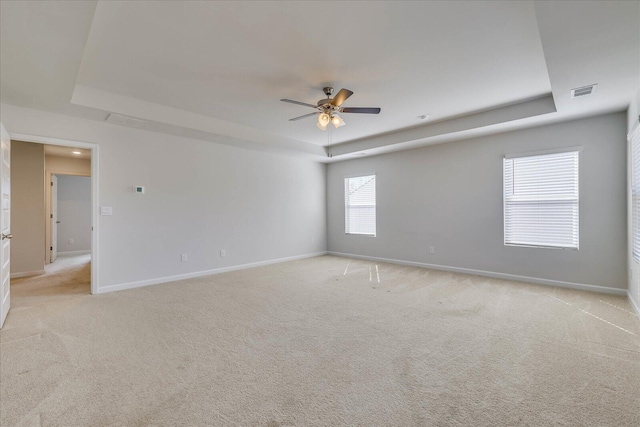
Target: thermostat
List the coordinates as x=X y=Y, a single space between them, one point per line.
x=138 y=189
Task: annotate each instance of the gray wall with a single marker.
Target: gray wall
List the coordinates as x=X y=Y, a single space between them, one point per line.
x=449 y=196
x=74 y=213
x=27 y=208
x=201 y=197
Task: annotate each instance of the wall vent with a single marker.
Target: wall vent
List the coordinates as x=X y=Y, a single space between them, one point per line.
x=118 y=119
x=583 y=91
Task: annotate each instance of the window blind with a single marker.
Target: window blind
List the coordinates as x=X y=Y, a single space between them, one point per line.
x=360 y=205
x=635 y=191
x=541 y=200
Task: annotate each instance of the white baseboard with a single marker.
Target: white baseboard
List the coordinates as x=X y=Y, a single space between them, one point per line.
x=634 y=304
x=72 y=253
x=27 y=274
x=141 y=283
x=493 y=274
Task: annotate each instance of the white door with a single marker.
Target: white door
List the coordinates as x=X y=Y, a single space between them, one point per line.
x=54 y=218
x=5 y=223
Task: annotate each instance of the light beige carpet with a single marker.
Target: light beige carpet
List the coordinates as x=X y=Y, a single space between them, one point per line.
x=68 y=275
x=322 y=342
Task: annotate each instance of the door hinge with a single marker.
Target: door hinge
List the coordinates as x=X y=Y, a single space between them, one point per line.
x=50 y=248
x=52 y=183
x=51 y=216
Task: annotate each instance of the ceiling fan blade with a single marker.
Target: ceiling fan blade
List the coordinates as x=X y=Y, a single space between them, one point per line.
x=361 y=110
x=302 y=117
x=291 y=101
x=341 y=97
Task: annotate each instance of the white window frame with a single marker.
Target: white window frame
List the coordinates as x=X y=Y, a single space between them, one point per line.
x=634 y=141
x=505 y=202
x=346 y=206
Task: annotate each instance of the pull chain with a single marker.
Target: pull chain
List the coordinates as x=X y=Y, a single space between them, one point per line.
x=329 y=153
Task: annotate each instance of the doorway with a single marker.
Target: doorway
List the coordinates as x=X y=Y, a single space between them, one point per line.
x=69 y=245
x=69 y=267
x=69 y=215
x=68 y=179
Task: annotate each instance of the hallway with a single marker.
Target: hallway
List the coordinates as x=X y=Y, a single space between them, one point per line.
x=68 y=275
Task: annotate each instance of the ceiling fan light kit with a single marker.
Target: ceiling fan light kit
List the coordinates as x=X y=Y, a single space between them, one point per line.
x=323 y=120
x=337 y=121
x=329 y=108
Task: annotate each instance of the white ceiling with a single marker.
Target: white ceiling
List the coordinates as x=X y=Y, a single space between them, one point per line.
x=216 y=70
x=61 y=151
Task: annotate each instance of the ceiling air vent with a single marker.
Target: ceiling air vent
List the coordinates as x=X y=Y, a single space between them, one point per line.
x=583 y=91
x=121 y=120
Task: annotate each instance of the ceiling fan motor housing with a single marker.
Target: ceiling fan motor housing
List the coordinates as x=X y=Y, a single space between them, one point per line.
x=326 y=103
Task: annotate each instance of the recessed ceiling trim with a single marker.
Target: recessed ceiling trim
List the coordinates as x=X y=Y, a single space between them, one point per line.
x=529 y=108
x=151 y=112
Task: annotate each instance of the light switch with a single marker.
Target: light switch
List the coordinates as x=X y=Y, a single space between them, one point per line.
x=105 y=210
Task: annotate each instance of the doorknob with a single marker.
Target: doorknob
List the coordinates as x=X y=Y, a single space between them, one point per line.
x=7 y=236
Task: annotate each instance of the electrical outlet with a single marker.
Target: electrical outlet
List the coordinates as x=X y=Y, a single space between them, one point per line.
x=183 y=258
x=71 y=241
x=432 y=250
x=223 y=253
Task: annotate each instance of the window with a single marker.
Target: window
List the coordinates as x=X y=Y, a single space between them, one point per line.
x=635 y=191
x=541 y=200
x=360 y=205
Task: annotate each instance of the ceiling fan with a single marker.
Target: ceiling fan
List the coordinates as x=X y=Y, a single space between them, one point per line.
x=328 y=109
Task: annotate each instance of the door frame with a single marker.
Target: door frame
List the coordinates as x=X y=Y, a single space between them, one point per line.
x=95 y=209
x=50 y=219
x=49 y=173
x=5 y=257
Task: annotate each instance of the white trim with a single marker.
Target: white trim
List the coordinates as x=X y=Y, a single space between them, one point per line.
x=141 y=283
x=496 y=275
x=48 y=239
x=51 y=141
x=631 y=260
x=72 y=253
x=635 y=305
x=95 y=203
x=80 y=174
x=558 y=150
x=27 y=274
x=95 y=200
x=358 y=175
x=635 y=126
